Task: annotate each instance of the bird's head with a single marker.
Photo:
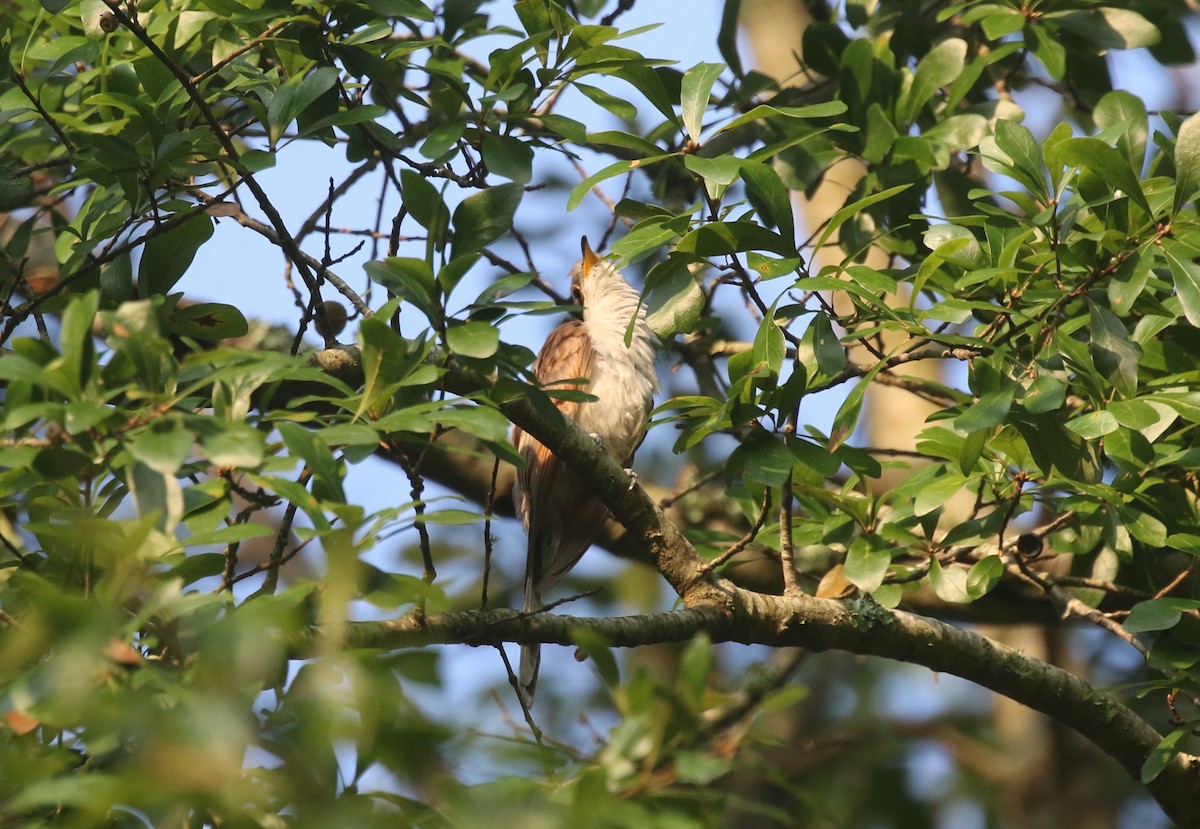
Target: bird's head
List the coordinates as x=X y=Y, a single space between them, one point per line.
x=593 y=276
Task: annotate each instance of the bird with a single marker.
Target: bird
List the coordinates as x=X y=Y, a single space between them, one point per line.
x=604 y=355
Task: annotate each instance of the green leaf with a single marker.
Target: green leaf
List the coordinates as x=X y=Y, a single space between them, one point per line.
x=258 y=160
x=617 y=106
x=233 y=445
x=1184 y=542
x=697 y=768
x=615 y=169
x=648 y=82
x=482 y=218
x=599 y=651
x=1046 y=47
x=481 y=421
x=1186 y=404
x=1129 y=281
x=424 y=202
x=989 y=411
x=166 y=257
x=1143 y=526
x=155 y=493
x=771 y=267
x=764 y=459
x=1107 y=163
x=15 y=189
x=78 y=347
x=162 y=446
x=858 y=12
x=828 y=351
x=208 y=321
x=867 y=562
x=452 y=518
x=694 y=93
x=828 y=109
x=958 y=132
x=839 y=218
x=59 y=463
x=82 y=415
x=881 y=135
x=695 y=666
x=769 y=347
x=473 y=338
x=453 y=271
x=1094 y=425
x=938 y=68
x=825 y=47
x=229 y=534
x=1187 y=161
x=813 y=456
x=674 y=299
x=295 y=96
x=1155 y=614
x=1164 y=754
x=949 y=583
x=1013 y=151
x=937 y=491
x=411 y=280
x=767 y=192
x=1109 y=27
x=1116 y=357
x=1134 y=414
x=1125 y=113
x=727 y=36
x=846 y=419
x=326 y=471
x=1186 y=274
x=1045 y=395
x=983 y=576
x=1053 y=446
x=508 y=156
x=722 y=170
x=721 y=238
x=414 y=9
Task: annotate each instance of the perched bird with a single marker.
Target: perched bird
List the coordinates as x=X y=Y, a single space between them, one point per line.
x=559 y=511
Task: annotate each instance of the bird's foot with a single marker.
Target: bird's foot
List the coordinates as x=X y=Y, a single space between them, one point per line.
x=598 y=438
x=633 y=478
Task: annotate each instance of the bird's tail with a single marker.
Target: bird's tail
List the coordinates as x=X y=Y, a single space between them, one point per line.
x=531 y=654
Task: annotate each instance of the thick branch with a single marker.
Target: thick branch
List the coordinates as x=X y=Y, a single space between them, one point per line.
x=728 y=613
x=857 y=626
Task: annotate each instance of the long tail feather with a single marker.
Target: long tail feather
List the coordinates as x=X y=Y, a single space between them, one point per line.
x=531 y=655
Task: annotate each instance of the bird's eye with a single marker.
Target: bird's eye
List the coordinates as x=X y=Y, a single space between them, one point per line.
x=576 y=295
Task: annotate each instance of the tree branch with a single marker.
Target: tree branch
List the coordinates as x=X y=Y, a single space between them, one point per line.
x=858 y=626
x=729 y=613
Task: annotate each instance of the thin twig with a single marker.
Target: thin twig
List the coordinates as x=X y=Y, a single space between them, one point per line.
x=196 y=80
x=745 y=541
x=516 y=686
x=286 y=242
x=487 y=534
x=277 y=558
x=19 y=80
x=791 y=585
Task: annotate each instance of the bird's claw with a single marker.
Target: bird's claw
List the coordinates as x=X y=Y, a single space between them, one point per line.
x=633 y=478
x=598 y=438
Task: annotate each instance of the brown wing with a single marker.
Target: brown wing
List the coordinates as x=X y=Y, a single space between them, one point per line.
x=558 y=511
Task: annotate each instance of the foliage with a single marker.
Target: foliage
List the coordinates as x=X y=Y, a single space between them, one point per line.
x=154 y=671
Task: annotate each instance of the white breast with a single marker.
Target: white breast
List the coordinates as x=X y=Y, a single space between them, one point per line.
x=623 y=376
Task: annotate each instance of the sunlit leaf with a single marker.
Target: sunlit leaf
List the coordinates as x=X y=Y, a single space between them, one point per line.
x=697 y=86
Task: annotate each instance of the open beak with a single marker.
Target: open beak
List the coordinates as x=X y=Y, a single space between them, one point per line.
x=590 y=258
